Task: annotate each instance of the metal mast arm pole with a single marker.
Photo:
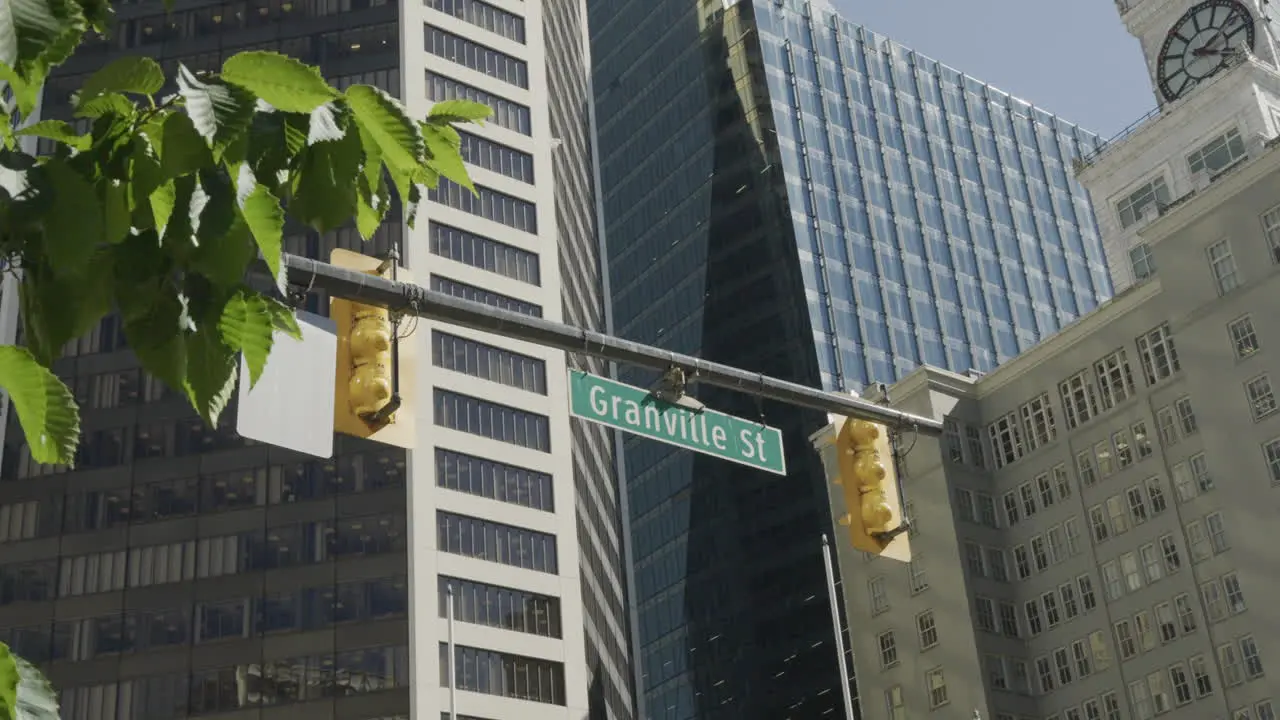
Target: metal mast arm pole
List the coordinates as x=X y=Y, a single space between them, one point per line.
x=839 y=631
x=434 y=305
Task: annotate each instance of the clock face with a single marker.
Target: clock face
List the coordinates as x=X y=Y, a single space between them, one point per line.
x=1201 y=43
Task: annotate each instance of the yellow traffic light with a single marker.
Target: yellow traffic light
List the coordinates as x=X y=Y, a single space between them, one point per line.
x=373 y=390
x=867 y=476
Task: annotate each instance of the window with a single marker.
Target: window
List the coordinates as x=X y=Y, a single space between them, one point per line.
x=879 y=597
x=1186 y=613
x=1158 y=683
x=1264 y=710
x=1123 y=447
x=1034 y=624
x=506 y=114
x=1217 y=533
x=1071 y=528
x=927 y=629
x=1229 y=662
x=997 y=567
x=1084 y=661
x=936 y=684
x=1045 y=489
x=997 y=673
x=1140 y=700
x=1115 y=379
x=1199 y=666
x=1200 y=471
x=918 y=579
x=1118 y=512
x=1218 y=153
x=1158 y=355
x=1106 y=464
x=1145 y=201
x=1197 y=541
x=1098 y=521
x=964 y=504
x=1271 y=227
x=475 y=56
x=494 y=480
x=1098 y=646
x=1152 y=563
x=1011 y=498
x=895 y=703
x=1168 y=426
x=1186 y=416
x=1262 y=401
x=1039 y=553
x=487 y=203
x=1215 y=607
x=1062 y=661
x=496 y=157
x=1142 y=262
x=1244 y=341
x=1141 y=440
x=1271 y=453
x=1021 y=562
x=1234 y=593
x=1137 y=505
x=1167 y=622
x=1037 y=420
x=1044 y=672
x=490 y=420
x=1062 y=481
x=1112 y=580
x=986 y=614
x=952 y=441
x=1086 y=468
x=977 y=455
x=496 y=542
x=1142 y=627
x=481 y=252
x=483 y=15
x=888 y=649
x=488 y=362
x=481 y=295
x=1155 y=492
x=1079 y=399
x=1125 y=640
x=1051 y=613
x=974 y=560
x=503 y=674
x=501 y=607
x=1009 y=620
x=1006 y=440
x=1028 y=495
x=1087 y=598
x=1132 y=574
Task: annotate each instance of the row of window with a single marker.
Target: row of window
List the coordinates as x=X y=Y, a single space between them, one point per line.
x=1051 y=609
x=474 y=416
x=1169 y=621
x=483 y=15
x=1041 y=493
x=488 y=362
x=503 y=674
x=1063 y=667
x=285 y=545
x=1131 y=571
x=487 y=203
x=935 y=685
x=313 y=608
x=227 y=689
x=494 y=156
x=1084 y=396
x=1150 y=198
x=481 y=295
x=88 y=510
x=1179 y=684
x=484 y=253
x=1134 y=507
x=926 y=632
x=495 y=542
x=507 y=114
x=474 y=56
x=1055 y=545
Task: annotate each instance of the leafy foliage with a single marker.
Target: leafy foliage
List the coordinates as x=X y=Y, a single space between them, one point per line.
x=160 y=209
x=25 y=693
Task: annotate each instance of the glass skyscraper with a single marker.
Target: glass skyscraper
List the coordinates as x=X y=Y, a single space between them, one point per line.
x=790 y=193
x=180 y=570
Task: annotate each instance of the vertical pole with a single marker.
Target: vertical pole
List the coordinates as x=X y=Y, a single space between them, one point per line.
x=453 y=661
x=835 y=626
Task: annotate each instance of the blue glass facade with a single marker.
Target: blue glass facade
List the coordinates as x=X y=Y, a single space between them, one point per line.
x=788 y=193
x=935 y=217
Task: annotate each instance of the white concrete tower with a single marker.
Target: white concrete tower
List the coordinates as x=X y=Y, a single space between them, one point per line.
x=1215 y=69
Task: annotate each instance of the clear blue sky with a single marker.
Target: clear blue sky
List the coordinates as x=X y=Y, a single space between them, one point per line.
x=1070 y=57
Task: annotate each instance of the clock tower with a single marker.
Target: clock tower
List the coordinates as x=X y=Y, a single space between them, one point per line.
x=1215 y=69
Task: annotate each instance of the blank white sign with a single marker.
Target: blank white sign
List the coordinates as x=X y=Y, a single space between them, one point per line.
x=292 y=404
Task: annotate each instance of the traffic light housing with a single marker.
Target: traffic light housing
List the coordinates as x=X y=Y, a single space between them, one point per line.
x=867 y=475
x=373 y=387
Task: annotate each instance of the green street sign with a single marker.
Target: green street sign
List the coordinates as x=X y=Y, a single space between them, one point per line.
x=634 y=410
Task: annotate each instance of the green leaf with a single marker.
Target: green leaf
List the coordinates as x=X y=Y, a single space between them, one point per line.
x=47 y=411
x=73 y=226
x=280 y=80
x=371 y=206
x=59 y=306
x=455 y=111
x=108 y=104
x=265 y=218
x=211 y=372
x=131 y=74
x=324 y=191
x=182 y=149
x=223 y=260
x=247 y=326
x=445 y=157
x=58 y=131
x=163 y=200
x=283 y=318
x=389 y=126
x=37 y=698
x=115 y=205
x=220 y=112
x=10 y=678
x=155 y=325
